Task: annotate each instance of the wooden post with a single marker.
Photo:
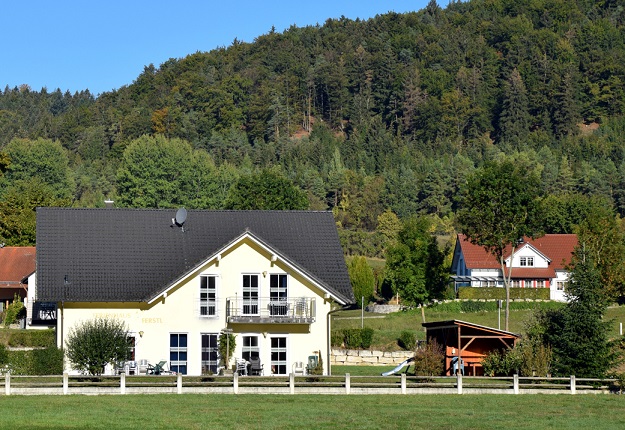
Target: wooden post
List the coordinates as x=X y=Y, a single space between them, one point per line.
x=292 y=383
x=7 y=383
x=235 y=382
x=122 y=383
x=459 y=376
x=179 y=383
x=348 y=383
x=65 y=383
x=403 y=383
x=516 y=383
x=573 y=389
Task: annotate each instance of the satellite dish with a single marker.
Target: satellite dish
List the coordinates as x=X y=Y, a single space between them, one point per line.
x=181 y=217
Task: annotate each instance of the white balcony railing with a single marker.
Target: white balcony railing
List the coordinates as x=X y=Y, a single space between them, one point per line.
x=271 y=310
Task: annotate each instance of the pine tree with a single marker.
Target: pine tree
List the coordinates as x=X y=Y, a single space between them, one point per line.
x=514 y=118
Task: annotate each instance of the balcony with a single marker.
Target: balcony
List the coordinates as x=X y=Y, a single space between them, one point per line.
x=300 y=310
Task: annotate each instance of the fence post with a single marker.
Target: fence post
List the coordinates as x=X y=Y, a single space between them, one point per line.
x=65 y=383
x=179 y=383
x=348 y=383
x=7 y=383
x=516 y=383
x=403 y=383
x=122 y=382
x=292 y=383
x=572 y=384
x=235 y=382
x=459 y=376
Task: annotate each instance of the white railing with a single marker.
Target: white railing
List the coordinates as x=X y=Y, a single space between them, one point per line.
x=271 y=310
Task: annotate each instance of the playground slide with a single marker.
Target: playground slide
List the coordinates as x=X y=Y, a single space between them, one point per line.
x=398 y=368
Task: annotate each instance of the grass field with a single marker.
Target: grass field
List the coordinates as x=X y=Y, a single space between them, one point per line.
x=313 y=412
x=389 y=327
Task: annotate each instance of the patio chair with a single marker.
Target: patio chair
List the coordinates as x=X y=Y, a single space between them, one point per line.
x=313 y=361
x=158 y=369
x=256 y=368
x=298 y=368
x=143 y=366
x=241 y=367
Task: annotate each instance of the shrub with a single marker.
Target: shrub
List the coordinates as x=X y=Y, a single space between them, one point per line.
x=501 y=363
x=407 y=340
x=429 y=359
x=4 y=356
x=354 y=338
x=96 y=343
x=13 y=310
x=336 y=338
x=227 y=343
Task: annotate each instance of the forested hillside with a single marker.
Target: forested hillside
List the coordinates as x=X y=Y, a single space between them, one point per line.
x=391 y=113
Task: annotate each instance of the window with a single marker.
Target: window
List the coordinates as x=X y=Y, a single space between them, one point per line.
x=250 y=347
x=250 y=294
x=131 y=345
x=516 y=283
x=210 y=353
x=527 y=261
x=560 y=286
x=278 y=295
x=178 y=353
x=278 y=356
x=528 y=283
x=540 y=283
x=208 y=296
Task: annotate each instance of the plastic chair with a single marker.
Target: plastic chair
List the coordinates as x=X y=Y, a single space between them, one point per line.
x=158 y=369
x=298 y=368
x=241 y=367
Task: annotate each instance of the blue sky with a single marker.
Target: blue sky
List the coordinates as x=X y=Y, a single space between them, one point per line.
x=102 y=45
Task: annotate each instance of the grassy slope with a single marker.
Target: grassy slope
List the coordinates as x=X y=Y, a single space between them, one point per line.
x=388 y=327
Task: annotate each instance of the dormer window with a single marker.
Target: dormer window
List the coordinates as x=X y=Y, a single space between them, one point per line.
x=526 y=261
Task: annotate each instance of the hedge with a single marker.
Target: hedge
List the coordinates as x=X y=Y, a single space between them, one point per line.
x=353 y=338
x=32 y=338
x=459 y=306
x=485 y=293
x=47 y=361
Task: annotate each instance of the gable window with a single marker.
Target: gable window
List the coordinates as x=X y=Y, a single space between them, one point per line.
x=208 y=296
x=178 y=352
x=527 y=261
x=210 y=357
x=278 y=356
x=250 y=294
x=278 y=295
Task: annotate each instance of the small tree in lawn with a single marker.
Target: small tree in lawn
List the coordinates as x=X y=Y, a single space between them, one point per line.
x=500 y=207
x=362 y=279
x=95 y=343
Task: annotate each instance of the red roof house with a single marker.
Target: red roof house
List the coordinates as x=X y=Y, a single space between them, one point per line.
x=536 y=263
x=16 y=265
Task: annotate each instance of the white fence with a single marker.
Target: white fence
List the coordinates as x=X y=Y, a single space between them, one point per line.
x=291 y=384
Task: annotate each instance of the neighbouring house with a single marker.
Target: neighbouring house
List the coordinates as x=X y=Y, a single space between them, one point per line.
x=17 y=272
x=467 y=344
x=178 y=279
x=536 y=263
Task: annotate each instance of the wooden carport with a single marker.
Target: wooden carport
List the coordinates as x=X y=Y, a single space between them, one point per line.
x=468 y=343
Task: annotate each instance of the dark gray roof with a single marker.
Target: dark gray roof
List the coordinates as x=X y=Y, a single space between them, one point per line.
x=122 y=255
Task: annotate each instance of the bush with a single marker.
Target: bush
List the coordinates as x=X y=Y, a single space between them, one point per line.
x=485 y=293
x=48 y=361
x=467 y=306
x=13 y=310
x=501 y=363
x=96 y=343
x=429 y=359
x=407 y=340
x=4 y=356
x=337 y=337
x=354 y=338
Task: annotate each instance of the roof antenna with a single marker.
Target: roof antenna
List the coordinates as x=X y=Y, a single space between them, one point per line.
x=181 y=217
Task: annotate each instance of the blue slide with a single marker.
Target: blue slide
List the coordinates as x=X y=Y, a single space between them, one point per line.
x=398 y=368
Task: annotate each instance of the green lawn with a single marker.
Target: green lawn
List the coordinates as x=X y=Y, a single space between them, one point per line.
x=389 y=327
x=313 y=412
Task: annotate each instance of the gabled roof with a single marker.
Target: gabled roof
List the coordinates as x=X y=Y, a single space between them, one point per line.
x=126 y=255
x=435 y=325
x=16 y=265
x=558 y=248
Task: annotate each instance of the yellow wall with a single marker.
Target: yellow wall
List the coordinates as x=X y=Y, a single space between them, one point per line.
x=178 y=312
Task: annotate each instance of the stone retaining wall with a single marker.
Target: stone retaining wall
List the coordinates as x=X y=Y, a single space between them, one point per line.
x=355 y=357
